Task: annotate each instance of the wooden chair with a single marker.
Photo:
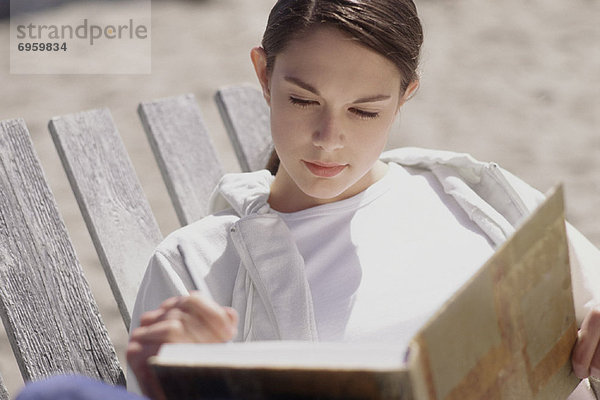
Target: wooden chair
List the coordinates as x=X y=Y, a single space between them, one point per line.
x=246 y=118
x=50 y=315
x=51 y=318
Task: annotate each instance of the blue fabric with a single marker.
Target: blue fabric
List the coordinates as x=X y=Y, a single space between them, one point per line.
x=74 y=387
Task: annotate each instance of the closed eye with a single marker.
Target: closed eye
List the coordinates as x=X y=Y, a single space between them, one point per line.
x=364 y=114
x=302 y=102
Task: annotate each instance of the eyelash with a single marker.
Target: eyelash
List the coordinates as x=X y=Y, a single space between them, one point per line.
x=364 y=114
x=359 y=113
x=301 y=102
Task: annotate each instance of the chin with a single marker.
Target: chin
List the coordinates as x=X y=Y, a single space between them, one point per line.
x=326 y=192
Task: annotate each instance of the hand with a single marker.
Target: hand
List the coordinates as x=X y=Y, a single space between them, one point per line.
x=186 y=319
x=586 y=353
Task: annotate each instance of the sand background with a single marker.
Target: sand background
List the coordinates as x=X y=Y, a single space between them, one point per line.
x=516 y=82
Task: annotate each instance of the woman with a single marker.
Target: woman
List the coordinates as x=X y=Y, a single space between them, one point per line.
x=335 y=75
x=322 y=248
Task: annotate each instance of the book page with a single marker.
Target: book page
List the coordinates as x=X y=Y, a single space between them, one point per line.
x=285 y=354
x=508 y=333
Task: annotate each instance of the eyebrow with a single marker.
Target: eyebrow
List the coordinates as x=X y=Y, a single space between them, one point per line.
x=302 y=84
x=307 y=86
x=372 y=99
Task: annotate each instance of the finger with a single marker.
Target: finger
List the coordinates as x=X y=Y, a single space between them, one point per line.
x=171 y=302
x=168 y=310
x=178 y=327
x=233 y=319
x=138 y=353
x=232 y=314
x=214 y=316
x=587 y=344
x=151 y=317
x=166 y=331
x=595 y=364
x=137 y=357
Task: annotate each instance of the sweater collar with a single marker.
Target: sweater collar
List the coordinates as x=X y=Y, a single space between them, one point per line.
x=247 y=193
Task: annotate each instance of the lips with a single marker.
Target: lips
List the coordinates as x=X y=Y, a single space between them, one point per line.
x=324 y=169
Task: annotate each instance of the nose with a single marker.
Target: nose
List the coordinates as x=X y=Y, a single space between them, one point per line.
x=328 y=135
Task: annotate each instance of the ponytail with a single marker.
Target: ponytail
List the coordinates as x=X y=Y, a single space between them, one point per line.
x=273 y=163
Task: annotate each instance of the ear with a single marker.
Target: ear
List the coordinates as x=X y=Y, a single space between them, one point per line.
x=259 y=60
x=409 y=92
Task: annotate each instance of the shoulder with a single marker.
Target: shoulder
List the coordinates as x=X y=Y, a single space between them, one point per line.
x=207 y=243
x=486 y=179
x=207 y=235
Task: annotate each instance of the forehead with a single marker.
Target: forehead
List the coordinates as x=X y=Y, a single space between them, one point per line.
x=328 y=54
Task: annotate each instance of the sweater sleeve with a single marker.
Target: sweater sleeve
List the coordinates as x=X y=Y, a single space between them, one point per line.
x=162 y=280
x=160 y=283
x=585 y=272
x=166 y=275
x=584 y=257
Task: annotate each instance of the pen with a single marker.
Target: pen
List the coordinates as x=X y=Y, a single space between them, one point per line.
x=191 y=262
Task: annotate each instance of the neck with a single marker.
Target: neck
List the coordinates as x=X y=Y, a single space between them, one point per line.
x=286 y=196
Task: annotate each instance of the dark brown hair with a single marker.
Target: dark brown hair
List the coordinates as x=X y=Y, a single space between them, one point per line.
x=390 y=27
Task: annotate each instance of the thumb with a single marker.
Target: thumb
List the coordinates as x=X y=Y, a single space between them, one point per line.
x=233 y=319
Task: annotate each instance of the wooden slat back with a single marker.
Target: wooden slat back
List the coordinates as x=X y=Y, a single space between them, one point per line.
x=246 y=118
x=115 y=209
x=184 y=152
x=51 y=318
x=3 y=392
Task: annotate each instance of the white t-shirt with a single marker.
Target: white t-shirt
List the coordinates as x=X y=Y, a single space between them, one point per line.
x=381 y=262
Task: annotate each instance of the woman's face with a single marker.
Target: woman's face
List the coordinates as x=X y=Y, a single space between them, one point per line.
x=332 y=103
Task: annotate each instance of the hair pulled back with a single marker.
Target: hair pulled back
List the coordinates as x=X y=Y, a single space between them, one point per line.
x=389 y=27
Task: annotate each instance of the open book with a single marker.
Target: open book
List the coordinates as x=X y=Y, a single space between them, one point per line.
x=507 y=333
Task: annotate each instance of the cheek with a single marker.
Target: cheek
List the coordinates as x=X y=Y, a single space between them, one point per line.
x=372 y=138
x=281 y=129
x=287 y=128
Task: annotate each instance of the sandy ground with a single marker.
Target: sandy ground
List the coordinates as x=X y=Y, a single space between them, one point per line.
x=516 y=82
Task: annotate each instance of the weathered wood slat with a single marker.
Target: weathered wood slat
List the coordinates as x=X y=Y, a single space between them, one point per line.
x=246 y=118
x=3 y=392
x=116 y=211
x=184 y=152
x=51 y=318
x=595 y=385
